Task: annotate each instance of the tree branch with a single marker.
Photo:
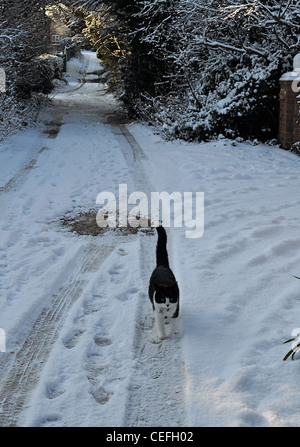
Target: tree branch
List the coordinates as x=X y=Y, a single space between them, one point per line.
x=227 y=47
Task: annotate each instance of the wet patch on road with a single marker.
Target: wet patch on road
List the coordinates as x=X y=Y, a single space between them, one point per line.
x=84 y=223
x=53 y=127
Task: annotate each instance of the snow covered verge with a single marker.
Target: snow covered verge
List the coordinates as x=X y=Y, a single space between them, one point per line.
x=81 y=349
x=240 y=301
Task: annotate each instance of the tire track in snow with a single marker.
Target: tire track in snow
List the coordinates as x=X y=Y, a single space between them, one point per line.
x=19 y=177
x=133 y=155
x=156 y=391
x=21 y=372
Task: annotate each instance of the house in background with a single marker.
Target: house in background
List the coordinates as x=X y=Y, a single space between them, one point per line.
x=59 y=34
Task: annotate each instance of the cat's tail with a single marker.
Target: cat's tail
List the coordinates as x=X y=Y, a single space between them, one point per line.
x=161 y=247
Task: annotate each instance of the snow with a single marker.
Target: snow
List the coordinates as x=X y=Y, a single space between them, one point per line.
x=290 y=76
x=240 y=300
x=75 y=311
x=296 y=61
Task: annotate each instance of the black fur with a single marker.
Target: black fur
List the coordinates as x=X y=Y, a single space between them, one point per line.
x=163 y=283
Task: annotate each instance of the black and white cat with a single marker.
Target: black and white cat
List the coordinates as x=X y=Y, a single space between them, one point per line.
x=163 y=288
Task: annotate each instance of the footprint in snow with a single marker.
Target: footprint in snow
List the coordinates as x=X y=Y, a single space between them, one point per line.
x=102 y=341
x=122 y=252
x=115 y=270
x=101 y=396
x=129 y=294
x=72 y=338
x=48 y=421
x=54 y=390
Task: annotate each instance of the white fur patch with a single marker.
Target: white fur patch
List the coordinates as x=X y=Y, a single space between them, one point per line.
x=163 y=316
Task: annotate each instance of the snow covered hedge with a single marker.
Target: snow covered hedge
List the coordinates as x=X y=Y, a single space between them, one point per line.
x=38 y=74
x=234 y=98
x=201 y=67
x=23 y=34
x=225 y=60
x=26 y=86
x=198 y=67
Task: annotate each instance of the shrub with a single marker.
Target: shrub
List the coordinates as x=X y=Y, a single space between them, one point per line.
x=38 y=74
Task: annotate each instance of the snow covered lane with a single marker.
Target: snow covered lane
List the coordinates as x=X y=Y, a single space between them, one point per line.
x=81 y=347
x=73 y=306
x=44 y=269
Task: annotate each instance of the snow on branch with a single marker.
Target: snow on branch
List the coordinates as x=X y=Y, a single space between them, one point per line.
x=227 y=47
x=266 y=14
x=4 y=36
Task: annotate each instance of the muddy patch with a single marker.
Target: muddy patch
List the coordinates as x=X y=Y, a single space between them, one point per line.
x=95 y=80
x=52 y=132
x=100 y=77
x=84 y=223
x=116 y=119
x=53 y=127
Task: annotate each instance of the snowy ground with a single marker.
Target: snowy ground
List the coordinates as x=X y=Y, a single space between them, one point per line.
x=81 y=349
